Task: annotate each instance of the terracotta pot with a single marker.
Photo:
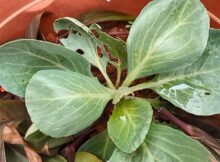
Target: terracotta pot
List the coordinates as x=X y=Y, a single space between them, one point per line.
x=15 y=16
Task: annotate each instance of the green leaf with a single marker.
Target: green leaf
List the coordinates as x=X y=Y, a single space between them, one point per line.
x=166 y=36
x=165 y=144
x=97 y=16
x=58 y=101
x=83 y=41
x=40 y=141
x=57 y=158
x=129 y=123
x=116 y=47
x=100 y=145
x=86 y=157
x=20 y=59
x=196 y=89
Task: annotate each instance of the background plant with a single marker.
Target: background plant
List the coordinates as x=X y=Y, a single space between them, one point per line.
x=168 y=41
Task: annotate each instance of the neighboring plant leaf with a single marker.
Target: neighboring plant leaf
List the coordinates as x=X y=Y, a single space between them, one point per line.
x=83 y=41
x=33 y=28
x=14 y=153
x=12 y=111
x=20 y=59
x=196 y=89
x=165 y=144
x=86 y=157
x=40 y=141
x=129 y=123
x=166 y=36
x=10 y=135
x=57 y=158
x=100 y=145
x=116 y=47
x=91 y=17
x=58 y=101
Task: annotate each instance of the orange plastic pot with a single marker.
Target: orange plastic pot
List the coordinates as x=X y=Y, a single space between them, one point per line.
x=15 y=16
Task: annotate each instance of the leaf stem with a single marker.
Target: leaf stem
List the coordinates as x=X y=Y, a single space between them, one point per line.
x=109 y=82
x=118 y=76
x=142 y=86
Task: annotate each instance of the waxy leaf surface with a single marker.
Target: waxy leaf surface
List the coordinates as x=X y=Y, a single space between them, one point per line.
x=197 y=88
x=165 y=144
x=129 y=123
x=20 y=59
x=62 y=103
x=167 y=35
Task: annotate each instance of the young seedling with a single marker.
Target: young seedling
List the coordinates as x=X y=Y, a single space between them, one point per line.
x=169 y=41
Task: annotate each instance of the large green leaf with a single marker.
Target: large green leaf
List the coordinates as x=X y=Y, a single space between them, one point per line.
x=83 y=41
x=197 y=88
x=165 y=144
x=167 y=35
x=62 y=103
x=20 y=59
x=129 y=123
x=100 y=145
x=86 y=157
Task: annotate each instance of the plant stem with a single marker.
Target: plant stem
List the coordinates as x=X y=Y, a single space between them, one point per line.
x=109 y=82
x=118 y=76
x=142 y=86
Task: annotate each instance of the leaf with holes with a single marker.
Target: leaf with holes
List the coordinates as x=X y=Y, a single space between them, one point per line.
x=129 y=123
x=83 y=41
x=20 y=59
x=100 y=145
x=165 y=144
x=197 y=88
x=58 y=101
x=166 y=36
x=116 y=47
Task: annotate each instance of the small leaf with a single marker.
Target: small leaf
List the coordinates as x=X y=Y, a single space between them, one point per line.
x=166 y=36
x=116 y=47
x=81 y=38
x=196 y=89
x=86 y=157
x=83 y=41
x=129 y=123
x=42 y=142
x=91 y=17
x=57 y=158
x=100 y=145
x=165 y=144
x=20 y=59
x=58 y=101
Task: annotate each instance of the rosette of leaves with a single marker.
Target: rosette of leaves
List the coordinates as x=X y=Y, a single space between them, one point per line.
x=170 y=40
